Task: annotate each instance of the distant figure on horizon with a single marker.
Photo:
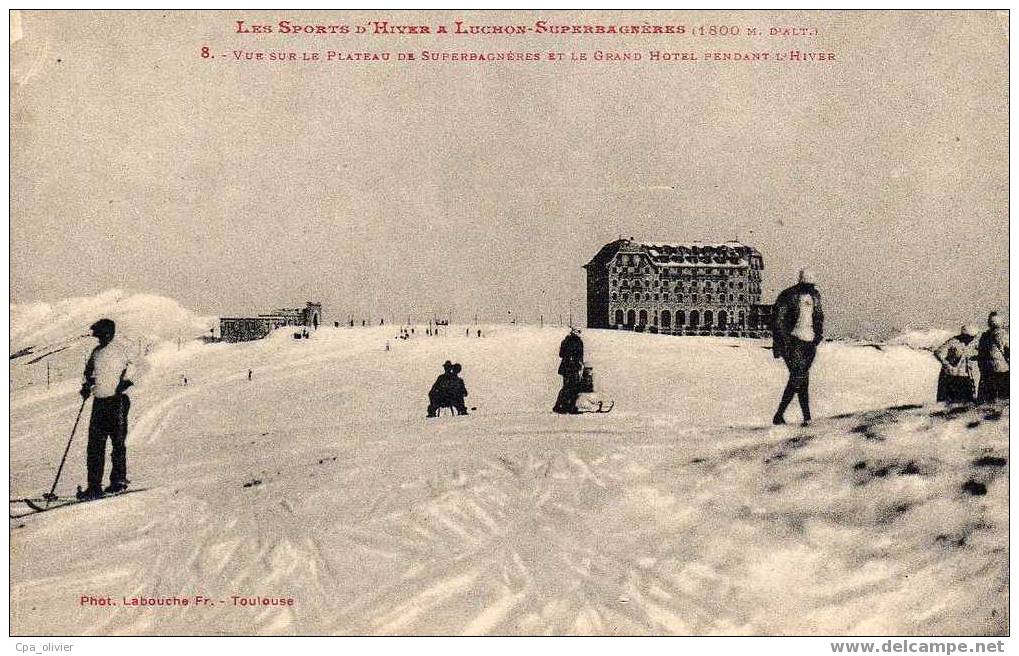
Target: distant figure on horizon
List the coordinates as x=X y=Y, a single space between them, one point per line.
x=797 y=330
x=249 y=374
x=992 y=357
x=479 y=332
x=362 y=323
x=571 y=364
x=957 y=380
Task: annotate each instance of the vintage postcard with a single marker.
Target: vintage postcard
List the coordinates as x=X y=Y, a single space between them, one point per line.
x=510 y=323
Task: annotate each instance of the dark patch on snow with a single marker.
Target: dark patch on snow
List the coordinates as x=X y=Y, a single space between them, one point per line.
x=844 y=415
x=973 y=424
x=881 y=472
x=697 y=461
x=992 y=415
x=951 y=412
x=951 y=540
x=773 y=487
x=253 y=482
x=860 y=465
x=778 y=456
x=989 y=461
x=907 y=406
x=975 y=488
x=910 y=469
x=891 y=514
x=799 y=441
x=869 y=432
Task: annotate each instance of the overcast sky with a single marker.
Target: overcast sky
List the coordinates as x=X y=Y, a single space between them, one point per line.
x=399 y=189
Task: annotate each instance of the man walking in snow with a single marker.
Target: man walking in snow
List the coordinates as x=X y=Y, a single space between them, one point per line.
x=106 y=380
x=797 y=330
x=571 y=354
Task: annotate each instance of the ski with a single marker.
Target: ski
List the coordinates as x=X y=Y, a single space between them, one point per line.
x=39 y=505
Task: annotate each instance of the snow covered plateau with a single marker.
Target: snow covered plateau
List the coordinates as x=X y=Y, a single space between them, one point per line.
x=683 y=511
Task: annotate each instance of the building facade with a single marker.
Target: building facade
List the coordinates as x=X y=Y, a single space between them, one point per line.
x=678 y=289
x=246 y=329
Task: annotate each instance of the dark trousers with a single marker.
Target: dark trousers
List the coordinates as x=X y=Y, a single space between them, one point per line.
x=799 y=356
x=567 y=399
x=109 y=420
x=993 y=386
x=954 y=389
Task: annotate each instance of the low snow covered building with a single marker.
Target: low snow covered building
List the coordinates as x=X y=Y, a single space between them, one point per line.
x=679 y=289
x=245 y=329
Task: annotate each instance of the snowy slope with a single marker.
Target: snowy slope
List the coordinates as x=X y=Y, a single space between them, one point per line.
x=44 y=334
x=680 y=512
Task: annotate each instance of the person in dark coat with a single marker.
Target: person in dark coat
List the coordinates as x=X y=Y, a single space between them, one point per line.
x=441 y=394
x=958 y=367
x=458 y=391
x=571 y=364
x=798 y=327
x=992 y=357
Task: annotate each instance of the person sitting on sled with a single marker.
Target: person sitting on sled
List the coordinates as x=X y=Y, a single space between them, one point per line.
x=441 y=393
x=458 y=391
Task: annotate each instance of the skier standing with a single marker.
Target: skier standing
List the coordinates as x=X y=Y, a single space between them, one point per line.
x=571 y=354
x=798 y=329
x=107 y=380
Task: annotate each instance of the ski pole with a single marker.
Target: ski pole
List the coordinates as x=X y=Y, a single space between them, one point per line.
x=50 y=496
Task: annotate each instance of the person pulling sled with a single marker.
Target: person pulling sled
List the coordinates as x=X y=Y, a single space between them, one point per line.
x=571 y=364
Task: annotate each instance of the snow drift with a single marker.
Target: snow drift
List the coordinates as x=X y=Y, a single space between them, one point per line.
x=47 y=343
x=681 y=512
x=139 y=316
x=923 y=339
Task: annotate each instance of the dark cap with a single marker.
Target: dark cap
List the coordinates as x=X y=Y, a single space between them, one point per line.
x=447 y=365
x=104 y=327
